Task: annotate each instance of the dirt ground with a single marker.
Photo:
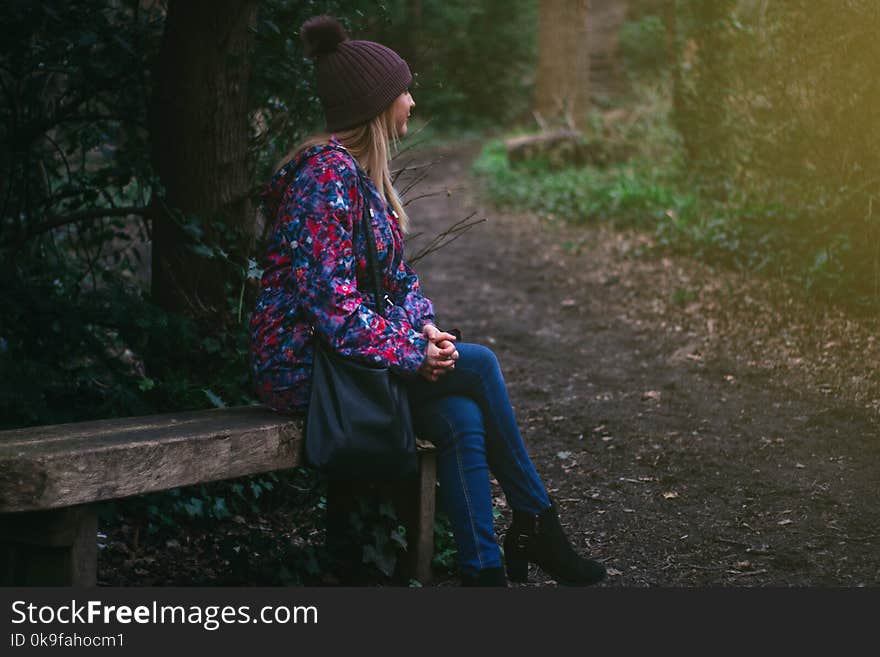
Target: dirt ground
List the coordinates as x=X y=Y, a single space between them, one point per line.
x=698 y=427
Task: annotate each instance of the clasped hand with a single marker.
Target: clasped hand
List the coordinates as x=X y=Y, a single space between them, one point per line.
x=441 y=353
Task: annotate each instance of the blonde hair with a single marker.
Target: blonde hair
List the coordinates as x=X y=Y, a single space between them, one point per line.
x=371 y=144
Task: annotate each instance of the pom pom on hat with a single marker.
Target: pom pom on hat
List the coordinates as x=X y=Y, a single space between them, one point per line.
x=322 y=35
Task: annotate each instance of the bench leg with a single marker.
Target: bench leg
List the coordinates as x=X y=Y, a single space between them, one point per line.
x=414 y=502
x=49 y=548
x=422 y=541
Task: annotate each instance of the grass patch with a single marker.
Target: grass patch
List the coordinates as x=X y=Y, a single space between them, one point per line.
x=764 y=227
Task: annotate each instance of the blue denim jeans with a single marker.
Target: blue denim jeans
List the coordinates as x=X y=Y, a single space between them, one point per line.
x=467 y=415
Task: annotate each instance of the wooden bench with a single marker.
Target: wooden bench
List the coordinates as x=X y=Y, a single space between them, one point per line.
x=52 y=477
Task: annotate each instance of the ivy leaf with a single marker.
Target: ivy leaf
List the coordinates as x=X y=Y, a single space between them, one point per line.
x=254 y=271
x=399 y=537
x=218 y=403
x=219 y=509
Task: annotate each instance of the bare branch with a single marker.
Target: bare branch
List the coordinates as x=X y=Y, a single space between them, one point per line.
x=542 y=124
x=413 y=142
x=448 y=236
x=86 y=215
x=416 y=167
x=426 y=195
x=420 y=168
x=61 y=153
x=415 y=181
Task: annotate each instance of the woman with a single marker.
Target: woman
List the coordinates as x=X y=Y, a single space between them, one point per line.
x=310 y=284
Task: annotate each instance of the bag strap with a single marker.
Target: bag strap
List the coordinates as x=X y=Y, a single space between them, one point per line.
x=380 y=295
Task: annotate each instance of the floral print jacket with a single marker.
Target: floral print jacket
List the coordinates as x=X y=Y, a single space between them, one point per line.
x=315 y=279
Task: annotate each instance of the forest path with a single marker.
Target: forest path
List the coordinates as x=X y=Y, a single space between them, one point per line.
x=693 y=433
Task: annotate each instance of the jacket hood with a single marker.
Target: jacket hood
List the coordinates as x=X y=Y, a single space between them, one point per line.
x=273 y=193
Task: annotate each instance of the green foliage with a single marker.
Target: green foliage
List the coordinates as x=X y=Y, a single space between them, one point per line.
x=654 y=190
x=365 y=537
x=745 y=140
x=643 y=45
x=473 y=61
x=79 y=329
x=630 y=193
x=202 y=504
x=771 y=103
x=234 y=525
x=445 y=550
x=381 y=535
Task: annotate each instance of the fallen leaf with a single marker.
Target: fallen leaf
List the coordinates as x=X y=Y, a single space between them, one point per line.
x=613 y=572
x=651 y=394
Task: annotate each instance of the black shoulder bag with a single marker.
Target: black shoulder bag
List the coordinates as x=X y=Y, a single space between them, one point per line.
x=358 y=424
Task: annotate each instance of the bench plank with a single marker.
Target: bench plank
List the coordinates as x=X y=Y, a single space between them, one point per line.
x=51 y=476
x=62 y=465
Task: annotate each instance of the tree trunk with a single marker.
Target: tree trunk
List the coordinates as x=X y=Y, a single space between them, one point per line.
x=674 y=59
x=199 y=131
x=562 y=89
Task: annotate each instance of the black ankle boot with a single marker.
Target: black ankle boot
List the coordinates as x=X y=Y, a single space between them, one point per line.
x=541 y=540
x=485 y=577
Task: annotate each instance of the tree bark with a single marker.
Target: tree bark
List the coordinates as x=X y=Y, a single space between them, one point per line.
x=199 y=133
x=562 y=89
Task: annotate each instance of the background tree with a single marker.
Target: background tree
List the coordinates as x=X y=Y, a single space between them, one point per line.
x=562 y=76
x=199 y=137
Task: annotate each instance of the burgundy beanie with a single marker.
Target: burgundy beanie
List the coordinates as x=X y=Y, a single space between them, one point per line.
x=357 y=80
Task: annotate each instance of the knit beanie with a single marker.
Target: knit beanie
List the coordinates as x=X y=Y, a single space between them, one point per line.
x=357 y=80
